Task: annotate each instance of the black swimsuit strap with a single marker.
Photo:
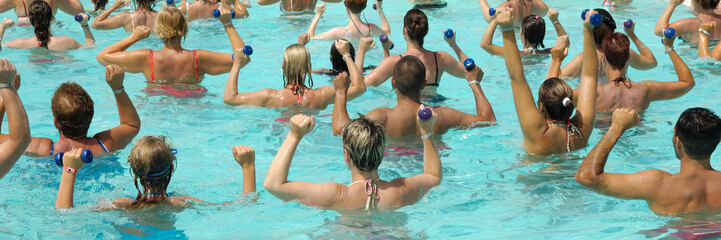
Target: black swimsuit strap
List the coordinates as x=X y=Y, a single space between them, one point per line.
x=435 y=59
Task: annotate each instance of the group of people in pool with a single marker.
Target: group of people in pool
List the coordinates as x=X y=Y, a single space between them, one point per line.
x=560 y=121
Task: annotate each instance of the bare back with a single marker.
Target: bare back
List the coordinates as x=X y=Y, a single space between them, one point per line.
x=297 y=5
x=56 y=43
x=312 y=98
x=400 y=121
x=689 y=193
x=171 y=66
x=140 y=18
x=632 y=95
x=391 y=195
x=199 y=10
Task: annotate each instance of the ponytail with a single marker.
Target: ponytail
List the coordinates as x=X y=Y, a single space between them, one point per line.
x=416 y=24
x=40 y=15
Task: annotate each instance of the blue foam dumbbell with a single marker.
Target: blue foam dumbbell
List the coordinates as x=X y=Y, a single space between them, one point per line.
x=248 y=50
x=86 y=156
x=669 y=32
x=384 y=39
x=216 y=13
x=491 y=12
x=628 y=23
x=469 y=64
x=425 y=113
x=448 y=33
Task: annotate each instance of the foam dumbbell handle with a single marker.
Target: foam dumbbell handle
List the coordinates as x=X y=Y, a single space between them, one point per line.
x=448 y=33
x=170 y=2
x=669 y=32
x=248 y=50
x=375 y=7
x=425 y=113
x=86 y=156
x=383 y=38
x=469 y=64
x=583 y=14
x=596 y=19
x=79 y=17
x=491 y=12
x=628 y=23
x=59 y=159
x=216 y=13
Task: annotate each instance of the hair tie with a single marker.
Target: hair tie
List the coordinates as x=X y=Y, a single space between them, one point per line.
x=567 y=102
x=537 y=17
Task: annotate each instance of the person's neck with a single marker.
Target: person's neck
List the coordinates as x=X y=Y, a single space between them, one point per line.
x=691 y=165
x=173 y=46
x=412 y=45
x=358 y=175
x=614 y=73
x=354 y=18
x=405 y=100
x=706 y=13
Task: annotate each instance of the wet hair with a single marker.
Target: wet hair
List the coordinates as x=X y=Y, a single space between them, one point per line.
x=608 y=26
x=534 y=30
x=144 y=5
x=40 y=15
x=336 y=59
x=551 y=95
x=699 y=130
x=152 y=164
x=416 y=24
x=296 y=66
x=171 y=25
x=707 y=4
x=100 y=4
x=356 y=6
x=73 y=110
x=409 y=74
x=615 y=48
x=364 y=140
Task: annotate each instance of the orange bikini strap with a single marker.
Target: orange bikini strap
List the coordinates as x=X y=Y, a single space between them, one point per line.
x=197 y=77
x=152 y=74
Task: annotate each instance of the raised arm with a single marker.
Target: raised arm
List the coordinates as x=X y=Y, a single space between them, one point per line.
x=119 y=137
x=558 y=53
x=231 y=95
x=358 y=87
x=382 y=73
x=267 y=2
x=573 y=68
x=333 y=34
x=102 y=22
x=484 y=111
x=644 y=61
x=19 y=138
x=663 y=21
x=484 y=10
x=529 y=116
x=432 y=168
x=215 y=63
x=132 y=61
x=89 y=39
x=591 y=174
x=586 y=103
x=6 y=23
x=487 y=40
x=340 y=113
x=245 y=156
x=385 y=27
x=240 y=10
x=319 y=10
x=276 y=181
x=704 y=30
x=226 y=18
x=71 y=7
x=449 y=64
x=670 y=90
x=72 y=163
x=366 y=44
x=553 y=16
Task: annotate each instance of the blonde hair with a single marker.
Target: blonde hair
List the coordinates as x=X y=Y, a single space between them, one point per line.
x=364 y=140
x=296 y=65
x=171 y=25
x=152 y=164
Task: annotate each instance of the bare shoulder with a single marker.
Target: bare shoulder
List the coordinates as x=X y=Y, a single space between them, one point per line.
x=653 y=175
x=123 y=202
x=380 y=114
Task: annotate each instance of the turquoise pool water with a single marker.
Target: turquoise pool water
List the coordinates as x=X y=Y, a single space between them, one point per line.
x=491 y=187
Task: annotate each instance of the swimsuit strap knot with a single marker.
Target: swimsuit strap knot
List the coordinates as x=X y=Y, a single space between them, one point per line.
x=372 y=192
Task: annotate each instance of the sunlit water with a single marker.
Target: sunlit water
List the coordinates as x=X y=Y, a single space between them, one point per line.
x=491 y=187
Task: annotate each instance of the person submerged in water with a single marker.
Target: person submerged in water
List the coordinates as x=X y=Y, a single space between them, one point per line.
x=295 y=6
x=551 y=127
x=408 y=81
x=338 y=64
x=686 y=28
x=73 y=111
x=521 y=9
x=41 y=18
x=144 y=15
x=622 y=92
x=363 y=148
x=152 y=164
x=203 y=9
x=356 y=28
x=71 y=7
x=296 y=92
x=643 y=60
x=694 y=190
x=533 y=31
x=703 y=49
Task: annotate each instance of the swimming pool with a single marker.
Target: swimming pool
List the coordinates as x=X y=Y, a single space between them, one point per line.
x=491 y=187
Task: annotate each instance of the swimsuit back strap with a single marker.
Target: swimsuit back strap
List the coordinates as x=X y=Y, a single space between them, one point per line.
x=102 y=145
x=187 y=9
x=132 y=21
x=25 y=8
x=51 y=3
x=195 y=56
x=435 y=58
x=52 y=148
x=152 y=73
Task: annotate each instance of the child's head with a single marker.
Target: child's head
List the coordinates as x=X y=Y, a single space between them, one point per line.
x=296 y=66
x=356 y=6
x=552 y=97
x=608 y=26
x=152 y=164
x=533 y=31
x=336 y=59
x=72 y=110
x=615 y=49
x=364 y=142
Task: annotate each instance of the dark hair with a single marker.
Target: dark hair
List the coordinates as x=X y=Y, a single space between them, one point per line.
x=416 y=23
x=144 y=5
x=707 y=4
x=356 y=6
x=615 y=48
x=336 y=59
x=607 y=27
x=40 y=15
x=73 y=110
x=551 y=94
x=409 y=74
x=699 y=130
x=364 y=140
x=100 y=4
x=534 y=30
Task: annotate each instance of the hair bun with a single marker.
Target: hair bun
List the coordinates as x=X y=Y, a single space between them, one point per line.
x=567 y=102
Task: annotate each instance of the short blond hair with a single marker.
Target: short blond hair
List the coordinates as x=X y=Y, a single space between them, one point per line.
x=152 y=163
x=364 y=140
x=171 y=25
x=296 y=66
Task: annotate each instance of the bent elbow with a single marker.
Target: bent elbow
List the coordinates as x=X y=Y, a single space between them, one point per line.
x=337 y=131
x=585 y=179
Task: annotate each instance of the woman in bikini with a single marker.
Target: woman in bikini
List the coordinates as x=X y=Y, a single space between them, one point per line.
x=71 y=7
x=415 y=28
x=41 y=17
x=144 y=15
x=551 y=128
x=203 y=9
x=172 y=65
x=297 y=92
x=356 y=28
x=533 y=31
x=294 y=6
